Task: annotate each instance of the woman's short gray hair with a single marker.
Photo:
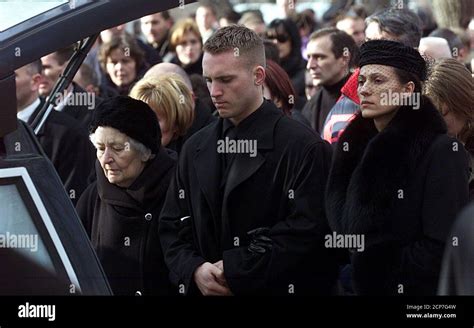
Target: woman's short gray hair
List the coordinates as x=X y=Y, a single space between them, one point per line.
x=143 y=150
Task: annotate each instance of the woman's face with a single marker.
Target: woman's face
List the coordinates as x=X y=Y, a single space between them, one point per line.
x=283 y=42
x=167 y=132
x=121 y=69
x=189 y=49
x=121 y=163
x=380 y=92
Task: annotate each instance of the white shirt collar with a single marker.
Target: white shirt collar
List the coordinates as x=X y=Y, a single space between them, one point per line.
x=26 y=113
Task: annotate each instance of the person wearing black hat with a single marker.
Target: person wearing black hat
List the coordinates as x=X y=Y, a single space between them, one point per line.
x=397 y=179
x=120 y=210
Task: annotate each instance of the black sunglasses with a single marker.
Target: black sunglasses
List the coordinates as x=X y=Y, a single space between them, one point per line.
x=282 y=38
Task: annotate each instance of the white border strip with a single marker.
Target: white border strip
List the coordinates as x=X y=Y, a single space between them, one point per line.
x=23 y=173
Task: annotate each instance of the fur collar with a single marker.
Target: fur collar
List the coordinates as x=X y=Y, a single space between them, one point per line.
x=369 y=167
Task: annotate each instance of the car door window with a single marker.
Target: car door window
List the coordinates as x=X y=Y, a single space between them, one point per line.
x=14 y=12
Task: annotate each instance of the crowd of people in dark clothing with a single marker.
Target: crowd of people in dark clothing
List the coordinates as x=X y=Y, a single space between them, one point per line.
x=226 y=156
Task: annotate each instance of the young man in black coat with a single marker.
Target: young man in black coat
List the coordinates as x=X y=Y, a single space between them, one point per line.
x=244 y=213
x=62 y=138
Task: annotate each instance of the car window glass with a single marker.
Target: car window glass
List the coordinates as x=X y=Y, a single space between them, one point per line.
x=13 y=12
x=17 y=229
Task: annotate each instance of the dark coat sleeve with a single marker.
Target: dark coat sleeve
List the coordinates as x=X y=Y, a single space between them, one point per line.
x=85 y=207
x=445 y=194
x=175 y=232
x=457 y=273
x=72 y=155
x=295 y=240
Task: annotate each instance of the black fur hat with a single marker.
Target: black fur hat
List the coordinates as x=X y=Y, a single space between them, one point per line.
x=130 y=116
x=395 y=54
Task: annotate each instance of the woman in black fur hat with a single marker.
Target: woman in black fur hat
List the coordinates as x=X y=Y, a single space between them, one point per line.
x=397 y=180
x=120 y=210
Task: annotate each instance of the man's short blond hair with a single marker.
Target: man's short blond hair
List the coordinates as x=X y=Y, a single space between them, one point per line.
x=239 y=39
x=169 y=96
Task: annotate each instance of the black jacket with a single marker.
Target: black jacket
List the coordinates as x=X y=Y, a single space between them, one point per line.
x=123 y=227
x=194 y=68
x=281 y=189
x=457 y=276
x=67 y=145
x=318 y=107
x=401 y=188
x=82 y=112
x=295 y=66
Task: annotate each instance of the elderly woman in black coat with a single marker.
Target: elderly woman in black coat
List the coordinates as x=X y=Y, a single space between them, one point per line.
x=397 y=180
x=120 y=210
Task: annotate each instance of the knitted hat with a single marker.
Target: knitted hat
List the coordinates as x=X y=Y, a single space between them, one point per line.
x=395 y=54
x=130 y=116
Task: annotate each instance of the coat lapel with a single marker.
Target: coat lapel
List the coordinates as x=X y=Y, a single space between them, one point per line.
x=207 y=166
x=244 y=166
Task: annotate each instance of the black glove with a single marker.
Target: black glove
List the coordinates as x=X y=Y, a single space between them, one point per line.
x=259 y=241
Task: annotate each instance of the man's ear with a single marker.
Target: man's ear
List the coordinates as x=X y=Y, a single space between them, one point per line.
x=36 y=81
x=259 y=75
x=346 y=58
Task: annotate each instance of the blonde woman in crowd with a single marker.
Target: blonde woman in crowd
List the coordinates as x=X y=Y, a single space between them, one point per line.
x=172 y=103
x=450 y=86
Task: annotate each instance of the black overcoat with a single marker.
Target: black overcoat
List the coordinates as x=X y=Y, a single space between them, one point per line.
x=401 y=188
x=281 y=188
x=123 y=226
x=67 y=145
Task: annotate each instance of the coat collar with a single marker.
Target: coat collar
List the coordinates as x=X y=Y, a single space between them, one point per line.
x=206 y=160
x=369 y=167
x=145 y=191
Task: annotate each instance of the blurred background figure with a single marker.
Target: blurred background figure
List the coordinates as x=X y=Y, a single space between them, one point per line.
x=306 y=25
x=87 y=79
x=172 y=104
x=450 y=86
x=122 y=61
x=202 y=103
x=53 y=66
x=228 y=18
x=428 y=22
x=401 y=25
x=151 y=57
x=187 y=43
x=434 y=47
x=271 y=51
x=353 y=25
x=156 y=29
x=456 y=46
x=277 y=88
x=284 y=33
x=286 y=8
x=206 y=20
x=253 y=20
